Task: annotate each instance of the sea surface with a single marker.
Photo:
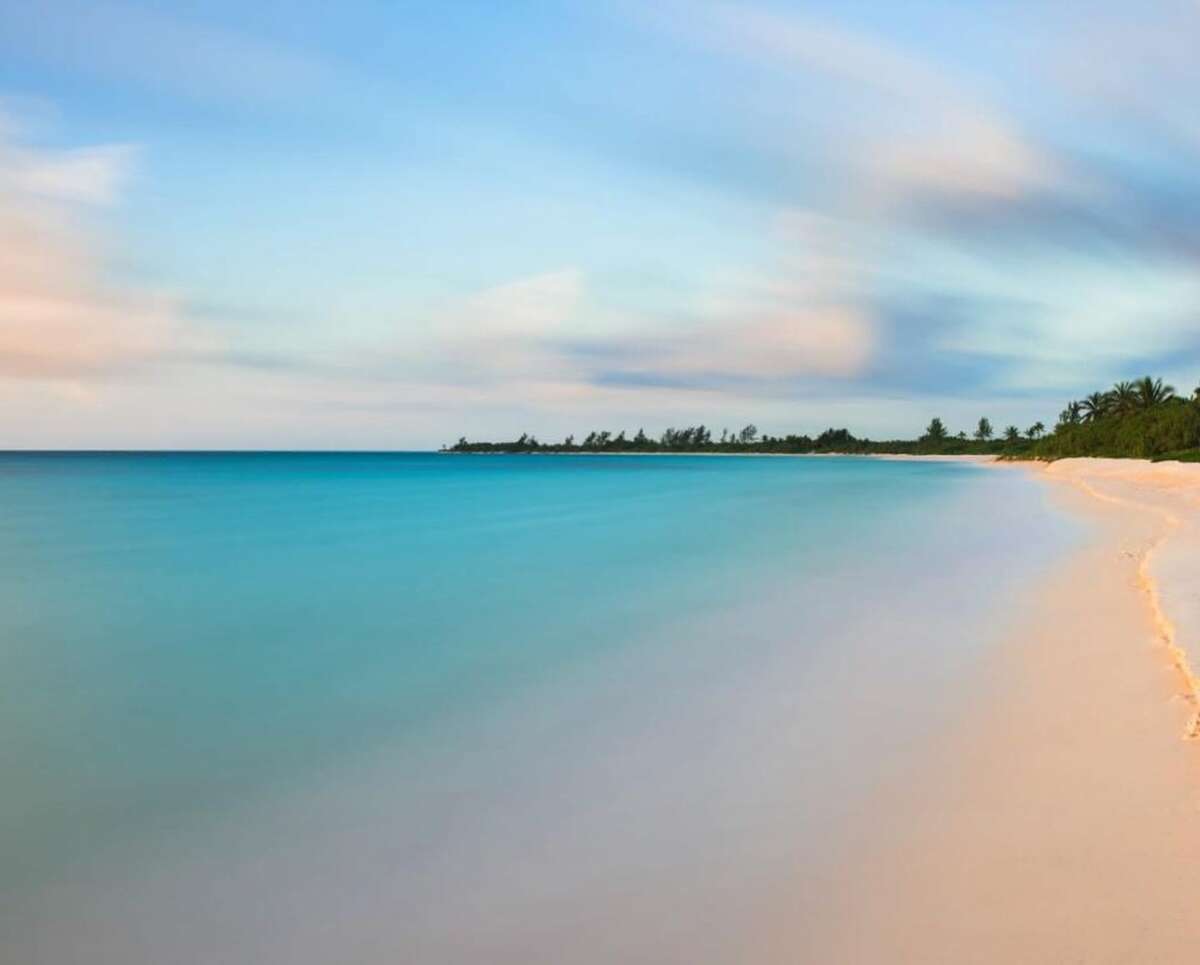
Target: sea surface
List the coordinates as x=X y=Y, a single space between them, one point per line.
x=369 y=708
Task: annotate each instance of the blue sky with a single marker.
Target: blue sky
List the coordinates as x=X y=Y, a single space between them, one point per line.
x=379 y=224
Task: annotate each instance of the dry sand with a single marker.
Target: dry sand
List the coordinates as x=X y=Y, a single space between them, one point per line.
x=1061 y=822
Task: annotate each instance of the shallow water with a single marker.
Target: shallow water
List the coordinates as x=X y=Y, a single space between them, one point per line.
x=380 y=708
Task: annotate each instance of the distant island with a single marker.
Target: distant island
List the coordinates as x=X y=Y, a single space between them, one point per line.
x=1141 y=419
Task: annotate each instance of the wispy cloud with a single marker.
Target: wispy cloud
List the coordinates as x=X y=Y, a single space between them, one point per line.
x=951 y=199
x=62 y=316
x=743 y=207
x=800 y=318
x=916 y=127
x=91 y=175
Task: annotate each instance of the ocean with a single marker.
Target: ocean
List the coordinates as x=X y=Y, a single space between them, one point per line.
x=414 y=707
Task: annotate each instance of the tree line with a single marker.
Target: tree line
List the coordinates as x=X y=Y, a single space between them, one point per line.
x=689 y=439
x=1144 y=418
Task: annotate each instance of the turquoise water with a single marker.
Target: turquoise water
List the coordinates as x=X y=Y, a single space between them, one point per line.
x=416 y=707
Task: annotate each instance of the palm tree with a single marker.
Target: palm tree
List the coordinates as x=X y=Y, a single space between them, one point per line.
x=1012 y=434
x=1095 y=406
x=1123 y=397
x=1152 y=392
x=1036 y=430
x=1070 y=416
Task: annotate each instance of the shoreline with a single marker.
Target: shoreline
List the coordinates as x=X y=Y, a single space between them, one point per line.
x=1172 y=491
x=1168 y=489
x=892 y=456
x=1060 y=820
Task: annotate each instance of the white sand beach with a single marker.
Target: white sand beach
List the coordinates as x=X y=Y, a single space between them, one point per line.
x=1061 y=821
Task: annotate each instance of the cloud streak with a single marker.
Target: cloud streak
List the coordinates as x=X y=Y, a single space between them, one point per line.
x=801 y=319
x=739 y=207
x=969 y=205
x=920 y=129
x=62 y=317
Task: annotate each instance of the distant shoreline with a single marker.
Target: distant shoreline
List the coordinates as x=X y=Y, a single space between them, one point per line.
x=886 y=456
x=1142 y=419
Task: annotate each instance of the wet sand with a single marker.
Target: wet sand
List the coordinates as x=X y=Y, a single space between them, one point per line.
x=1060 y=822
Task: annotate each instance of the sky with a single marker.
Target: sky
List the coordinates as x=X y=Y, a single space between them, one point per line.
x=384 y=225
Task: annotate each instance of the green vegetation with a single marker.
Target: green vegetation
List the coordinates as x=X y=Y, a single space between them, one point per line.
x=700 y=439
x=1143 y=419
x=1140 y=420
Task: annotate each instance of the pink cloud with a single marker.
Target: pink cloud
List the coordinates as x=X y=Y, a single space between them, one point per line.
x=918 y=128
x=804 y=316
x=62 y=316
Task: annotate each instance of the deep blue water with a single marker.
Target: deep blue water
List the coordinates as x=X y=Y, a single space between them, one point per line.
x=302 y=675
